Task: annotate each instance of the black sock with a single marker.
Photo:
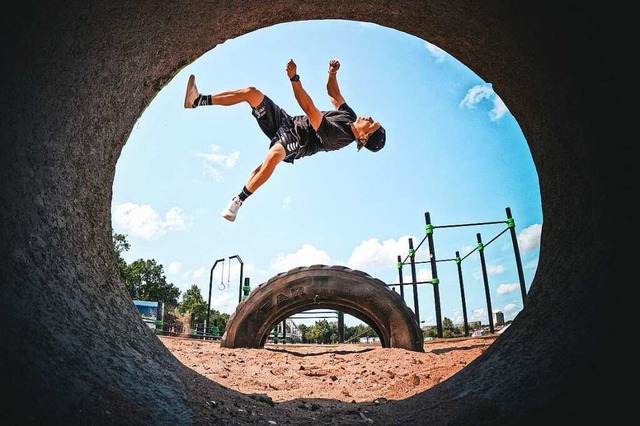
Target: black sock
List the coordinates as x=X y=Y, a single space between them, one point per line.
x=244 y=194
x=202 y=100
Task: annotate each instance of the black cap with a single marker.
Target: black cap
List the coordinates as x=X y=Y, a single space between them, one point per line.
x=377 y=139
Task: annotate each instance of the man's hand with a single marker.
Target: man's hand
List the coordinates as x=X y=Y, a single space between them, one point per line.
x=332 y=85
x=292 y=68
x=334 y=66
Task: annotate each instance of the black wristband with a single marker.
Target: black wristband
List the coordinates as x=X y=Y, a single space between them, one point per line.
x=295 y=78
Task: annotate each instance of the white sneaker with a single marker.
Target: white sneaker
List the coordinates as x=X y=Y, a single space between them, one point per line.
x=231 y=210
x=191 y=93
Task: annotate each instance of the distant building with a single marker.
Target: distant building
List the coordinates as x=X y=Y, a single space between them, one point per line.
x=499 y=317
x=293 y=334
x=150 y=312
x=475 y=324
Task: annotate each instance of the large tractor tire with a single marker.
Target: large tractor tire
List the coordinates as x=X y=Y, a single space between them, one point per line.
x=323 y=287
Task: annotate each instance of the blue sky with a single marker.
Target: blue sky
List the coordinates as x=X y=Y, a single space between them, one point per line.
x=453 y=150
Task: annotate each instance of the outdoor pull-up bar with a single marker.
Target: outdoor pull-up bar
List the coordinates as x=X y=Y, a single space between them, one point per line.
x=429 y=228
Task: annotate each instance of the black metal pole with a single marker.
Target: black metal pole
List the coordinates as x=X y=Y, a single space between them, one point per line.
x=400 y=276
x=241 y=270
x=464 y=301
x=414 y=280
x=486 y=283
x=434 y=273
x=340 y=327
x=206 y=326
x=514 y=239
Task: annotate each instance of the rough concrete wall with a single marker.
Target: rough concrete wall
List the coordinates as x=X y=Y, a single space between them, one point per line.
x=77 y=75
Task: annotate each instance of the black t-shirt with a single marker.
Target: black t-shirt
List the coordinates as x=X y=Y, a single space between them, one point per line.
x=334 y=131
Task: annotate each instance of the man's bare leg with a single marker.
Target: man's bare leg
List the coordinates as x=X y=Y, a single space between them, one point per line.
x=193 y=98
x=259 y=176
x=263 y=172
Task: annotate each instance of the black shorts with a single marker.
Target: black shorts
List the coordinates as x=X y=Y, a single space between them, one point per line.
x=276 y=124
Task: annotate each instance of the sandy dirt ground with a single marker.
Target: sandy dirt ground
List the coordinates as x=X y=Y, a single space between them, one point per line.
x=346 y=372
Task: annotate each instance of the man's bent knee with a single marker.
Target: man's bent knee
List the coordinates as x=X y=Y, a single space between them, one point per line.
x=264 y=171
x=253 y=96
x=275 y=155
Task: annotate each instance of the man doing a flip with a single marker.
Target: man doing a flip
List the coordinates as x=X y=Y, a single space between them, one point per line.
x=294 y=137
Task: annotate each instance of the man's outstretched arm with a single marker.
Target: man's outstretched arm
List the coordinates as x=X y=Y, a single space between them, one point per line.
x=303 y=98
x=332 y=85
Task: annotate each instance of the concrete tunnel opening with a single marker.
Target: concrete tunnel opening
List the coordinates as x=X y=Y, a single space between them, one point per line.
x=59 y=157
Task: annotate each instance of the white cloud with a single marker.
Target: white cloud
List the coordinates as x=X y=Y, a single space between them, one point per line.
x=499 y=109
x=223 y=301
x=475 y=95
x=478 y=315
x=478 y=94
x=213 y=160
x=421 y=275
x=371 y=254
x=491 y=270
x=510 y=307
x=495 y=269
x=467 y=249
x=511 y=310
x=176 y=219
x=144 y=222
x=306 y=255
x=532 y=264
x=174 y=267
x=198 y=273
x=435 y=51
x=529 y=238
x=188 y=275
x=507 y=288
x=286 y=202
x=457 y=318
x=194 y=276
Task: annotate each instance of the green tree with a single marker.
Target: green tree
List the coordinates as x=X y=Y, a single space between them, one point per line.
x=144 y=279
x=353 y=334
x=304 y=329
x=222 y=319
x=120 y=245
x=331 y=335
x=450 y=330
x=323 y=332
x=193 y=302
x=430 y=332
x=315 y=333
